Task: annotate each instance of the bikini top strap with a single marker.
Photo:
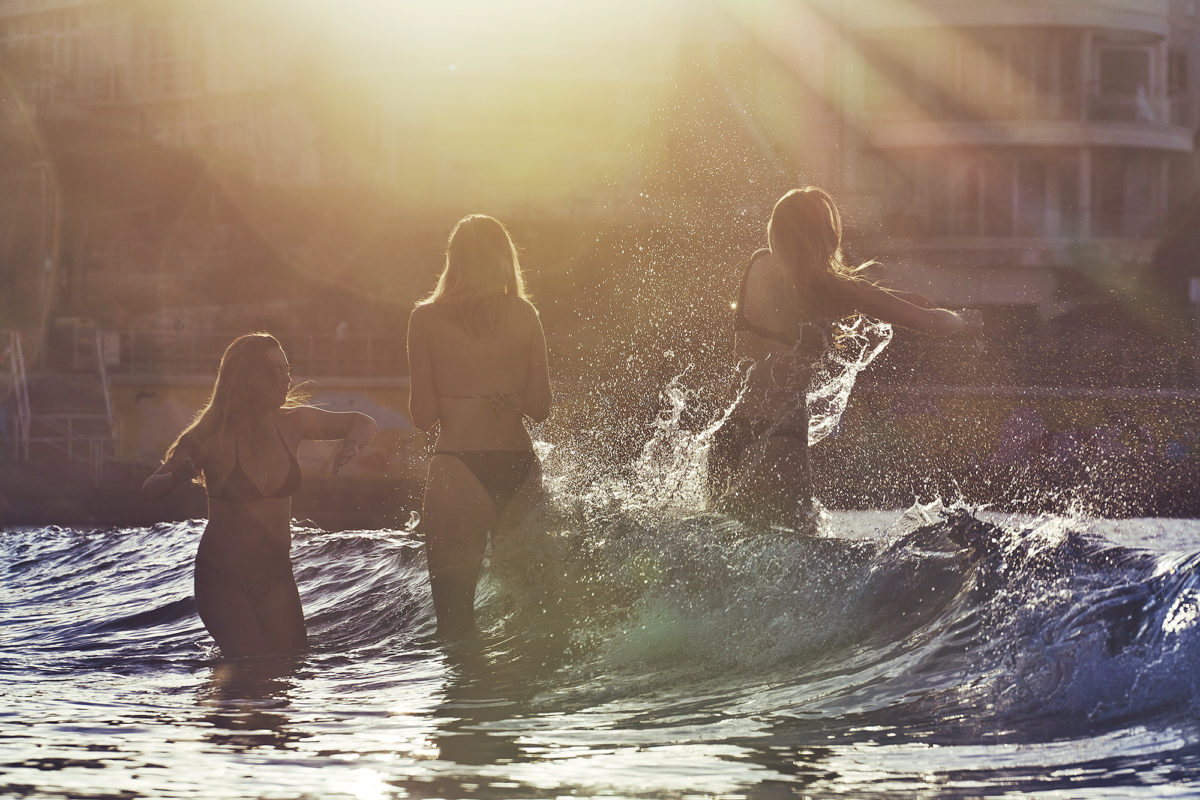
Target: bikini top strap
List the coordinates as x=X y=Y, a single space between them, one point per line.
x=283 y=440
x=741 y=300
x=279 y=433
x=742 y=322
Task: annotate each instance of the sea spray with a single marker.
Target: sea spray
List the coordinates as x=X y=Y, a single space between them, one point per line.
x=858 y=341
x=608 y=536
x=669 y=474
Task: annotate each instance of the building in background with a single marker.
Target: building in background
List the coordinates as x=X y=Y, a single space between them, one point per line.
x=299 y=94
x=1008 y=153
x=1008 y=148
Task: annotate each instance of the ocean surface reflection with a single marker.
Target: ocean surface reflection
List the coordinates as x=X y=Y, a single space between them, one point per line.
x=932 y=653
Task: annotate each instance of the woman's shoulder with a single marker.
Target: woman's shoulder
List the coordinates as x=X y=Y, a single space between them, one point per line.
x=766 y=273
x=422 y=313
x=430 y=319
x=765 y=264
x=762 y=255
x=525 y=308
x=298 y=421
x=198 y=444
x=851 y=288
x=519 y=311
x=198 y=437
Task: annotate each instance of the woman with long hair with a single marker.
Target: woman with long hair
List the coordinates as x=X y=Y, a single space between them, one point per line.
x=242 y=449
x=792 y=294
x=478 y=368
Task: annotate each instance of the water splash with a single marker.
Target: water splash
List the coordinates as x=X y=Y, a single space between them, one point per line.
x=858 y=341
x=669 y=475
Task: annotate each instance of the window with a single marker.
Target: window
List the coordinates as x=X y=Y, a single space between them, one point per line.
x=1177 y=66
x=1123 y=70
x=1070 y=75
x=1124 y=81
x=970 y=194
x=997 y=198
x=1124 y=192
x=1064 y=215
x=955 y=198
x=1031 y=198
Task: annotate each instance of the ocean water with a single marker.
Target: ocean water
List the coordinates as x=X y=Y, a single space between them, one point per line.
x=632 y=645
x=928 y=653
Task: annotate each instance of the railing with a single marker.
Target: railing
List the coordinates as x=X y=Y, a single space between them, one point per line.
x=1047 y=364
x=16 y=360
x=199 y=353
x=1124 y=108
x=74 y=436
x=101 y=358
x=77 y=435
x=1038 y=357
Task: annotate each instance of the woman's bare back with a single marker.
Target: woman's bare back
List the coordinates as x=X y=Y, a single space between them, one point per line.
x=479 y=387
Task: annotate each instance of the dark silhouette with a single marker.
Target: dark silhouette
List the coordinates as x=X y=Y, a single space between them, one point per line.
x=791 y=295
x=242 y=449
x=477 y=365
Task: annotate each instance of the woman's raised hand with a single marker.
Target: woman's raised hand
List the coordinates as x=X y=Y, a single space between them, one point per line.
x=347 y=451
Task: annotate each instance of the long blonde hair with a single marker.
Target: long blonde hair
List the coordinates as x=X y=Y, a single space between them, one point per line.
x=482 y=272
x=237 y=403
x=805 y=232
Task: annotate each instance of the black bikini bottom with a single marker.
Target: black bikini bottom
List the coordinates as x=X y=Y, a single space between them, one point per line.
x=500 y=472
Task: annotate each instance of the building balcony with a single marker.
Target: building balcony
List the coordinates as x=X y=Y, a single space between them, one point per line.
x=884 y=133
x=1148 y=17
x=1018 y=252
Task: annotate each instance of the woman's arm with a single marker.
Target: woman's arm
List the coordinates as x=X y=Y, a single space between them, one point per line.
x=538 y=394
x=175 y=471
x=422 y=399
x=905 y=309
x=354 y=428
x=910 y=297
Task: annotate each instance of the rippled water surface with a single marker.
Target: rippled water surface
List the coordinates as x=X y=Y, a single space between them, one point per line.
x=957 y=656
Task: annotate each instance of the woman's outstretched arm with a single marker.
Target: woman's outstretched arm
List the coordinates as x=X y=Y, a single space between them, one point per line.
x=905 y=309
x=354 y=428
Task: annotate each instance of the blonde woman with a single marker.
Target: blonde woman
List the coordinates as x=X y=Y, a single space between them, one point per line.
x=791 y=295
x=242 y=449
x=478 y=368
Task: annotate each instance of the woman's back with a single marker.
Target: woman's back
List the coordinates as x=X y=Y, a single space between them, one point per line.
x=777 y=337
x=792 y=295
x=481 y=383
x=477 y=366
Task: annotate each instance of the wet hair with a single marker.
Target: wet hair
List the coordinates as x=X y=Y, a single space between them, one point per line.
x=805 y=232
x=242 y=397
x=482 y=272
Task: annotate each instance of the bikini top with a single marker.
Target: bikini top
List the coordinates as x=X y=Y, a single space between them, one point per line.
x=238 y=487
x=807 y=331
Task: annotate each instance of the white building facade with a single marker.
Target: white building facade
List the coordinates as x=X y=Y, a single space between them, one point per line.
x=996 y=141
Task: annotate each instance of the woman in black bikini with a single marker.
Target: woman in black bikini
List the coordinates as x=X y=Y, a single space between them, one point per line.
x=792 y=293
x=242 y=449
x=477 y=365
